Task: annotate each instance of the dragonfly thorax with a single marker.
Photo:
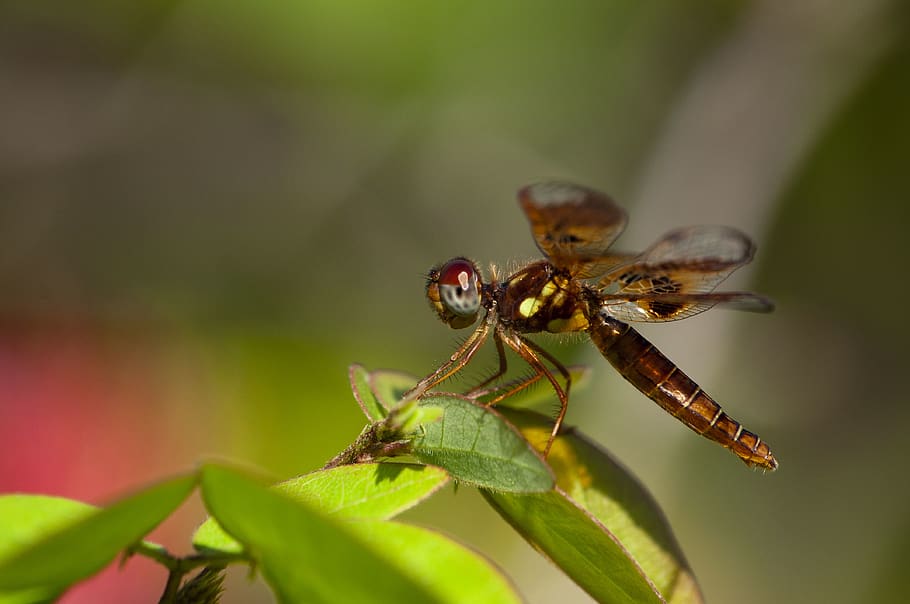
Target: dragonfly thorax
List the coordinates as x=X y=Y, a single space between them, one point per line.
x=542 y=298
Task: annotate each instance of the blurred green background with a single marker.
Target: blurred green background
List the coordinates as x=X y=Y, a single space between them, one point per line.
x=209 y=209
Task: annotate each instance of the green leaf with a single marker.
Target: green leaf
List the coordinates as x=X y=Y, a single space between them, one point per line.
x=428 y=414
x=24 y=520
x=450 y=571
x=598 y=502
x=38 y=595
x=389 y=386
x=363 y=393
x=403 y=419
x=376 y=491
x=577 y=543
x=81 y=545
x=211 y=539
x=304 y=555
x=478 y=447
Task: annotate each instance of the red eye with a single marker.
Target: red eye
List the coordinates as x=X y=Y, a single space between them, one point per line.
x=454 y=292
x=458 y=272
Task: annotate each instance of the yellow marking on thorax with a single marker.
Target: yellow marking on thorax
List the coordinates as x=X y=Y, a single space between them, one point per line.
x=553 y=293
x=559 y=298
x=577 y=322
x=529 y=306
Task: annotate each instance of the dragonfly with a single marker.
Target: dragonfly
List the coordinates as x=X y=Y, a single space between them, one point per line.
x=582 y=285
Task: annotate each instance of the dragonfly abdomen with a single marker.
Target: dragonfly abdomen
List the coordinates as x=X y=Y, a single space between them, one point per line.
x=663 y=382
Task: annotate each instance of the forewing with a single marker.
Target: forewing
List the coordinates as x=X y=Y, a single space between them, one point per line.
x=710 y=245
x=676 y=276
x=572 y=225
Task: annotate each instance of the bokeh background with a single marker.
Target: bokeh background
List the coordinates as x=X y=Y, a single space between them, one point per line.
x=209 y=209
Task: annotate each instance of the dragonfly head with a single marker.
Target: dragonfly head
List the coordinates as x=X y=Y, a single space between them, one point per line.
x=453 y=289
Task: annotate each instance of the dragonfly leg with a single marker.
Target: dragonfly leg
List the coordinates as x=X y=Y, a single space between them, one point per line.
x=456 y=362
x=535 y=356
x=480 y=389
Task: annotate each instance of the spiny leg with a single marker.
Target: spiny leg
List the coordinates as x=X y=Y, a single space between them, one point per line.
x=456 y=362
x=564 y=400
x=513 y=387
x=509 y=389
x=516 y=386
x=479 y=390
x=553 y=361
x=532 y=353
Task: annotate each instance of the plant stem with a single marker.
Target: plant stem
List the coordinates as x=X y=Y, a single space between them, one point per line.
x=174 y=577
x=355 y=450
x=179 y=567
x=372 y=443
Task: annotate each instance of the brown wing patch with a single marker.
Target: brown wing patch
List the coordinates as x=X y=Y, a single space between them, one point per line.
x=671 y=307
x=663 y=311
x=572 y=225
x=675 y=277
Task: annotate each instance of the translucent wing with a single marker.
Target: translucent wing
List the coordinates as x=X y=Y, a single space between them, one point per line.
x=676 y=276
x=672 y=307
x=573 y=225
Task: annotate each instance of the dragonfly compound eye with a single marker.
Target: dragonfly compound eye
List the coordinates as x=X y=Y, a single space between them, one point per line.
x=454 y=292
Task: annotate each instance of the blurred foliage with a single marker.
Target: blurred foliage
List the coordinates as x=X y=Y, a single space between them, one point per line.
x=209 y=210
